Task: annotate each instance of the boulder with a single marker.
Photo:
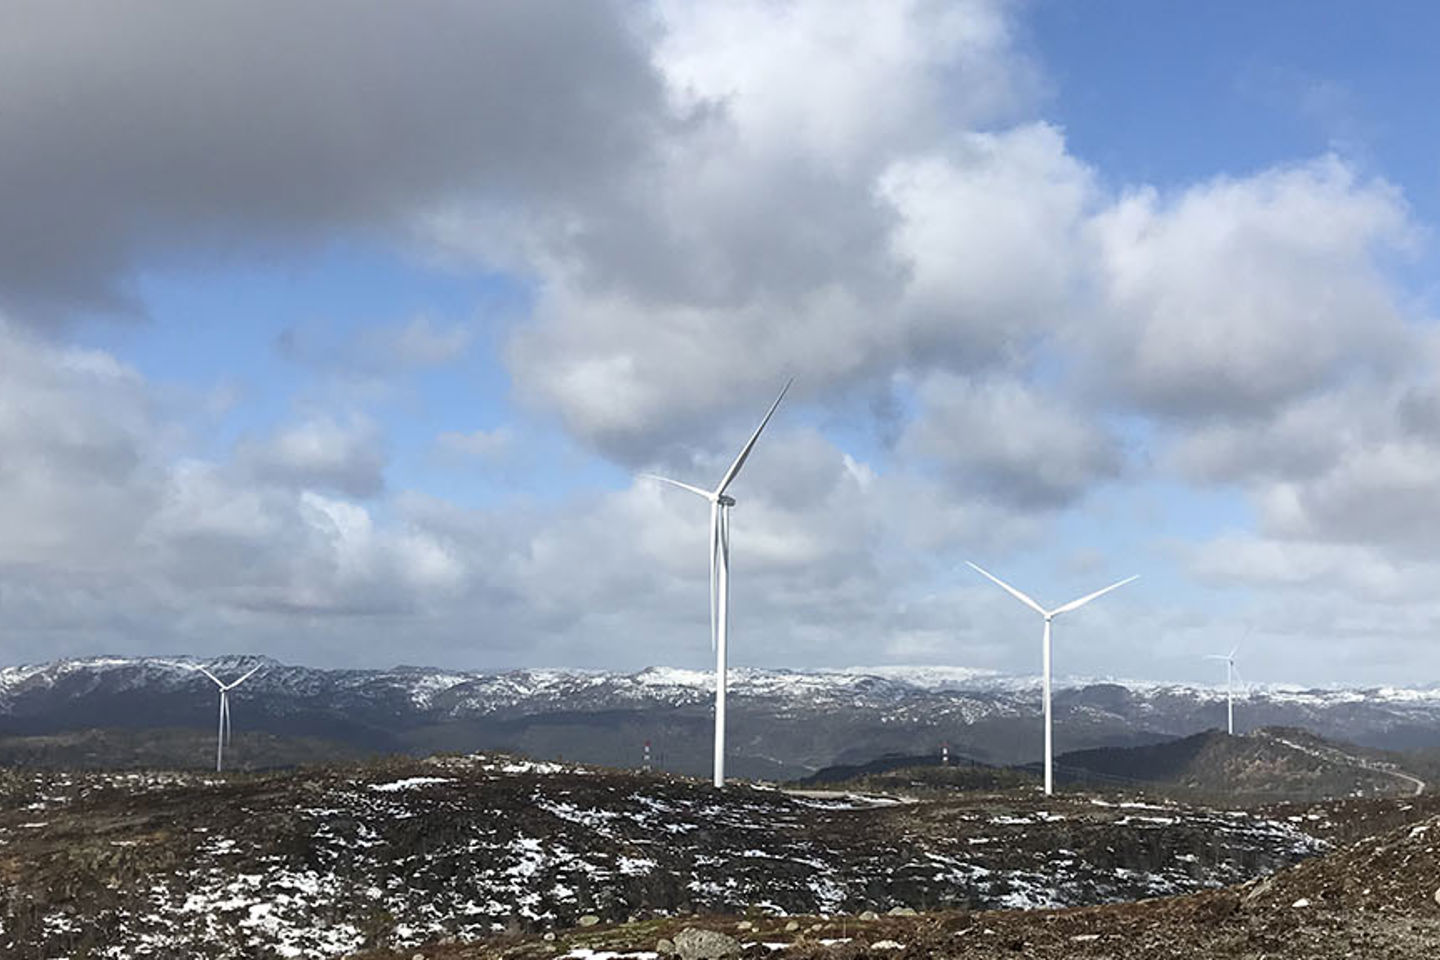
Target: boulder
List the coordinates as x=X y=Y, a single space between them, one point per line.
x=693 y=943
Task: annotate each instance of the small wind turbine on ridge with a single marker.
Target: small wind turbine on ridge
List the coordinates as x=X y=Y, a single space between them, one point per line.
x=720 y=504
x=224 y=735
x=1230 y=671
x=1045 y=648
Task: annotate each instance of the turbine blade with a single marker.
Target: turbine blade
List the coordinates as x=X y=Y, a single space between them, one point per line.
x=208 y=674
x=1088 y=597
x=683 y=486
x=1022 y=597
x=1233 y=651
x=234 y=684
x=750 y=444
x=714 y=585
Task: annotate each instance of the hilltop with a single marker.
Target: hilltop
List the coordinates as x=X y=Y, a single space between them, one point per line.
x=1264 y=767
x=1267 y=765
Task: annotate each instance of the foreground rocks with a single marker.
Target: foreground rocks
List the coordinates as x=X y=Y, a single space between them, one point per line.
x=1372 y=899
x=405 y=855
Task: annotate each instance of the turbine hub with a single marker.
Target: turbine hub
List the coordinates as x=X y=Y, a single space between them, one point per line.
x=726 y=500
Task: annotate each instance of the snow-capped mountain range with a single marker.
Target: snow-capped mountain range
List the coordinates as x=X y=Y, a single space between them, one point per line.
x=783 y=723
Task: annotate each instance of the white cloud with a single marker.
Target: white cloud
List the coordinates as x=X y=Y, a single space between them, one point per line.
x=987 y=235
x=1239 y=295
x=843 y=81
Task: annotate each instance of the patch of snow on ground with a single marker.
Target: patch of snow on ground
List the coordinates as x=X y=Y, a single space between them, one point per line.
x=409 y=783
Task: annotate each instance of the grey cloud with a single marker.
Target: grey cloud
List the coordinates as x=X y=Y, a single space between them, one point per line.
x=1001 y=439
x=142 y=126
x=967 y=287
x=1358 y=464
x=319 y=453
x=1384 y=493
x=1300 y=439
x=77 y=452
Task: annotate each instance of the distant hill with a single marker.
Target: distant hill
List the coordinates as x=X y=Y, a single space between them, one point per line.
x=1277 y=763
x=782 y=724
x=919 y=774
x=166 y=748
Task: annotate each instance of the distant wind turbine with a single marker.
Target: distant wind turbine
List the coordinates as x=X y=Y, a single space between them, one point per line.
x=1229 y=659
x=720 y=504
x=1045 y=647
x=225 y=688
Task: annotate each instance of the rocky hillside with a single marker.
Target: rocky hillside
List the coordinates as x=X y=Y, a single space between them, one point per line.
x=1269 y=764
x=129 y=748
x=322 y=862
x=1377 y=897
x=783 y=725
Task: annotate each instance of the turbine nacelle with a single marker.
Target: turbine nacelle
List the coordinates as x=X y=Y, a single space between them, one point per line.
x=725 y=500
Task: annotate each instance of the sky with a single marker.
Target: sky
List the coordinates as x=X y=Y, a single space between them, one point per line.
x=342 y=332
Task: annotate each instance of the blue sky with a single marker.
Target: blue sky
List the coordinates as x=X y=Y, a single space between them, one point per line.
x=389 y=327
x=1170 y=93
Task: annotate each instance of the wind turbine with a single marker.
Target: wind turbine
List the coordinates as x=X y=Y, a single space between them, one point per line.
x=225 y=688
x=1229 y=659
x=720 y=504
x=1045 y=647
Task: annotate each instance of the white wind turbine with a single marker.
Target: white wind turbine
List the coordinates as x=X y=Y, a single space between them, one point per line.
x=1045 y=647
x=1230 y=672
x=225 y=688
x=720 y=504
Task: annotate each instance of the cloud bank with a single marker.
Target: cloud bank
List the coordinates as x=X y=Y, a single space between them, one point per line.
x=992 y=341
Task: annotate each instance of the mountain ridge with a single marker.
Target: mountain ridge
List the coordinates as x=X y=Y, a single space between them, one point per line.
x=784 y=723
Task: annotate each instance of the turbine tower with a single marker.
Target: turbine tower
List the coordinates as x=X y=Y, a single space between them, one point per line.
x=1045 y=648
x=1229 y=659
x=720 y=504
x=225 y=688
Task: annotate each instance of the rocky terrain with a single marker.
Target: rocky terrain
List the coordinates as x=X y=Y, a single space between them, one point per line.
x=1377 y=897
x=485 y=849
x=783 y=725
